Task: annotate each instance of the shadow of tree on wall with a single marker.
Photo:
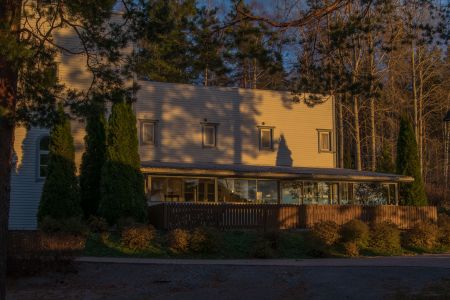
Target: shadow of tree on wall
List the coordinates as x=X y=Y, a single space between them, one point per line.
x=284 y=154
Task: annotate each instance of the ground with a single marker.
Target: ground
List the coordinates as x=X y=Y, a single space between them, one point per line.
x=420 y=277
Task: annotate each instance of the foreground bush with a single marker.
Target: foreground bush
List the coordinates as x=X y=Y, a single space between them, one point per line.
x=444 y=230
x=385 y=239
x=355 y=236
x=204 y=240
x=73 y=226
x=178 y=240
x=97 y=224
x=137 y=237
x=322 y=237
x=262 y=248
x=325 y=233
x=423 y=236
x=356 y=231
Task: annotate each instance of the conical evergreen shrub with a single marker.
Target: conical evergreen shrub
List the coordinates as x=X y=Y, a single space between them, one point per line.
x=60 y=198
x=385 y=162
x=122 y=184
x=93 y=159
x=408 y=164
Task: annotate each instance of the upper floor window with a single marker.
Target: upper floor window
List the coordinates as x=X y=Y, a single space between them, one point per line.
x=266 y=138
x=325 y=140
x=148 y=132
x=43 y=156
x=209 y=134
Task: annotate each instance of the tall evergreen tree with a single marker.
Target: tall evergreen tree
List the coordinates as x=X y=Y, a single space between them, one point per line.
x=208 y=48
x=165 y=47
x=122 y=184
x=408 y=164
x=93 y=158
x=254 y=52
x=60 y=196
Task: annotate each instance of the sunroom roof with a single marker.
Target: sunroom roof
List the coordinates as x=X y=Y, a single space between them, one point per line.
x=278 y=172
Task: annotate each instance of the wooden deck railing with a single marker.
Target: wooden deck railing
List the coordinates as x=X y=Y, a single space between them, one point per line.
x=281 y=216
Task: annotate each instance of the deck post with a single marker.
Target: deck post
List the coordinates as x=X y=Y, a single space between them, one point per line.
x=396 y=193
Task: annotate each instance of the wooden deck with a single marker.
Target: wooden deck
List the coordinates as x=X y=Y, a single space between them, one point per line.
x=281 y=216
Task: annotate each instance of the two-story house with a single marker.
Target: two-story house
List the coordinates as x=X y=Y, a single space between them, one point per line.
x=213 y=144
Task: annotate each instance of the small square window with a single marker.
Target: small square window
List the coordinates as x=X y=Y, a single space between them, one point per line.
x=148 y=132
x=325 y=141
x=266 y=138
x=209 y=135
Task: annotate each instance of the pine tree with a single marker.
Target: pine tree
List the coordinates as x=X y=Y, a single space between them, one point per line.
x=122 y=184
x=60 y=196
x=254 y=52
x=408 y=164
x=165 y=52
x=385 y=162
x=93 y=159
x=208 y=48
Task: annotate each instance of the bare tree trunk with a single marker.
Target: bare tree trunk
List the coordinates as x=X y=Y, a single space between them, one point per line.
x=357 y=134
x=10 y=20
x=413 y=66
x=420 y=119
x=373 y=137
x=255 y=79
x=341 y=133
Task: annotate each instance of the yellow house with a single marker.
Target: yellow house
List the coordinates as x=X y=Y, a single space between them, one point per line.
x=213 y=144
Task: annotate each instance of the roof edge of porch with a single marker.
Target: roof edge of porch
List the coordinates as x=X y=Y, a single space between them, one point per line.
x=275 y=172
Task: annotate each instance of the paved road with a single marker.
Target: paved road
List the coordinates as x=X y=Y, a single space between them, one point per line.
x=426 y=277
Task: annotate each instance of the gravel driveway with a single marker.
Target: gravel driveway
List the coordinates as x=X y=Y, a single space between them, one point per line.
x=210 y=281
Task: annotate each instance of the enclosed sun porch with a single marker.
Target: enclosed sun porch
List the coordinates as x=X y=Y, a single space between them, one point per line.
x=209 y=183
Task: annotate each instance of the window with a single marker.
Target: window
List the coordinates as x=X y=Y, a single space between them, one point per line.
x=325 y=140
x=148 y=132
x=43 y=156
x=266 y=138
x=209 y=135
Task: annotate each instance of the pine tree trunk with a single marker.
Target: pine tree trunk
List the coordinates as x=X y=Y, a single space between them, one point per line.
x=10 y=20
x=205 y=83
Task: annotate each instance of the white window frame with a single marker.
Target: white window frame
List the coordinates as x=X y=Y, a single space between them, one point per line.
x=142 y=124
x=320 y=132
x=261 y=129
x=39 y=153
x=209 y=125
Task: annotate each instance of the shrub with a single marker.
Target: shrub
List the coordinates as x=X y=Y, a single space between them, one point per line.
x=93 y=156
x=178 y=240
x=444 y=230
x=385 y=239
x=356 y=232
x=137 y=237
x=122 y=183
x=125 y=222
x=262 y=248
x=351 y=248
x=322 y=237
x=60 y=197
x=71 y=225
x=274 y=238
x=204 y=240
x=424 y=236
x=97 y=224
x=325 y=233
